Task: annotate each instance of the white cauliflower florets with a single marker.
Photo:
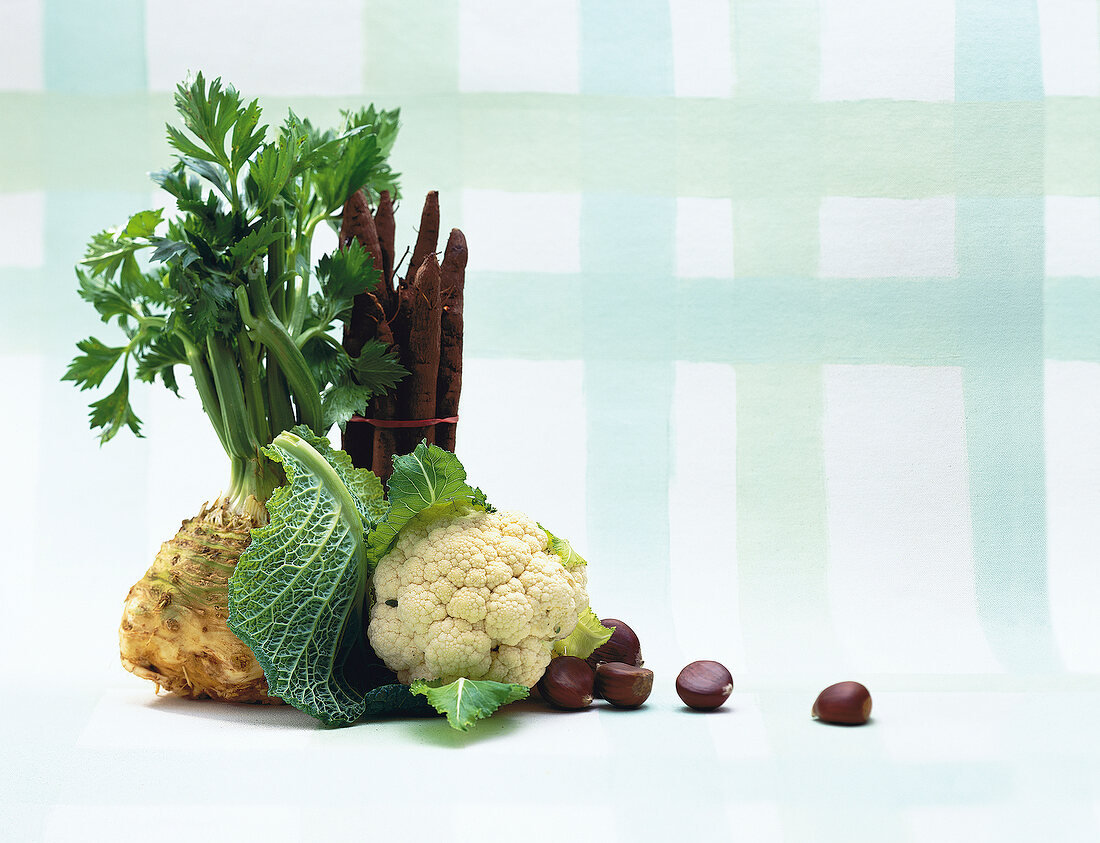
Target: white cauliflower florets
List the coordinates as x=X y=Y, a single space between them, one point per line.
x=478 y=596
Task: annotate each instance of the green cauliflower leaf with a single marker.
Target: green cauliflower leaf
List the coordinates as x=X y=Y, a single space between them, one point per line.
x=425 y=483
x=465 y=701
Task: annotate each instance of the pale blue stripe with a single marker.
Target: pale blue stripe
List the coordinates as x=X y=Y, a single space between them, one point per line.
x=1071 y=312
x=1000 y=249
x=997 y=51
x=626 y=47
x=95 y=48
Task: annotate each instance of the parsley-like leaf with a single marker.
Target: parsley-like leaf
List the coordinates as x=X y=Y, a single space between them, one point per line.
x=114 y=412
x=91 y=367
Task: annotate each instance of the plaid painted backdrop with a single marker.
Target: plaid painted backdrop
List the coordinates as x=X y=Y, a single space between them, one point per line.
x=785 y=312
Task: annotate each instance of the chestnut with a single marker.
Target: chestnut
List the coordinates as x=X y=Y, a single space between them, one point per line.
x=567 y=683
x=623 y=685
x=623 y=646
x=704 y=685
x=848 y=703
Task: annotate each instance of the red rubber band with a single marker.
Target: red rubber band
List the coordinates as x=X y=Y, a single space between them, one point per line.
x=406 y=422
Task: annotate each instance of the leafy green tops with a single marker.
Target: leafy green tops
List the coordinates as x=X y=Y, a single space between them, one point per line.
x=225 y=284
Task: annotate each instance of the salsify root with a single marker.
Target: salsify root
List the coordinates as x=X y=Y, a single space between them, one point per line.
x=173 y=628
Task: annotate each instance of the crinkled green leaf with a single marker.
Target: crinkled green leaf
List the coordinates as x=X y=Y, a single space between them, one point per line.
x=364 y=484
x=588 y=634
x=296 y=594
x=429 y=478
x=564 y=550
x=465 y=701
x=394 y=699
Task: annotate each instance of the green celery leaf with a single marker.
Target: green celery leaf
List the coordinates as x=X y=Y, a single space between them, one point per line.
x=107 y=297
x=377 y=367
x=274 y=165
x=178 y=183
x=296 y=595
x=395 y=699
x=348 y=272
x=588 y=634
x=107 y=251
x=328 y=363
x=208 y=112
x=144 y=223
x=166 y=250
x=90 y=368
x=213 y=172
x=163 y=353
x=360 y=159
x=178 y=140
x=339 y=403
x=246 y=137
x=114 y=412
x=466 y=701
x=429 y=478
x=254 y=243
x=569 y=557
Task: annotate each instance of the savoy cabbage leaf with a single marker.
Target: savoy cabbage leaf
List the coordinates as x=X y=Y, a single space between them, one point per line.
x=296 y=595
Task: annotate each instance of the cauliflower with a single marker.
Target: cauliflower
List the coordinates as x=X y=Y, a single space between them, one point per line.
x=476 y=595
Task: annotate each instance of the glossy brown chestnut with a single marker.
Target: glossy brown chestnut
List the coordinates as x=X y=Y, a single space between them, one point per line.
x=848 y=703
x=623 y=646
x=567 y=683
x=704 y=685
x=623 y=685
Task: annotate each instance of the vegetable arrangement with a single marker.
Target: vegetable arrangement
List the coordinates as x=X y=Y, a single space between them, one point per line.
x=228 y=288
x=306 y=581
x=465 y=603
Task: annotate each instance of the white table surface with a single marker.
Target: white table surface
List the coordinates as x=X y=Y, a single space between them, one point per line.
x=943 y=758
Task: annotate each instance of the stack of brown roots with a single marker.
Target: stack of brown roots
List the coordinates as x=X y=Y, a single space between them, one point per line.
x=420 y=316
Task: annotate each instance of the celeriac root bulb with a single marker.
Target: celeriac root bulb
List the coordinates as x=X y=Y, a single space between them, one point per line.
x=173 y=628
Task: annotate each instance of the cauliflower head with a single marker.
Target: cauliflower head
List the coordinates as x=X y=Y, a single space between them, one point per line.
x=477 y=595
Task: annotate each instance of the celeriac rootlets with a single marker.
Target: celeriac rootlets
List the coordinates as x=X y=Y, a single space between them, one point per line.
x=230 y=290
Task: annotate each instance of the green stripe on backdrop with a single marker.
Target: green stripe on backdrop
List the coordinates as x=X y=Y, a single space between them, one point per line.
x=781 y=527
x=411 y=48
x=1072 y=154
x=776 y=50
x=756 y=152
x=94 y=48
